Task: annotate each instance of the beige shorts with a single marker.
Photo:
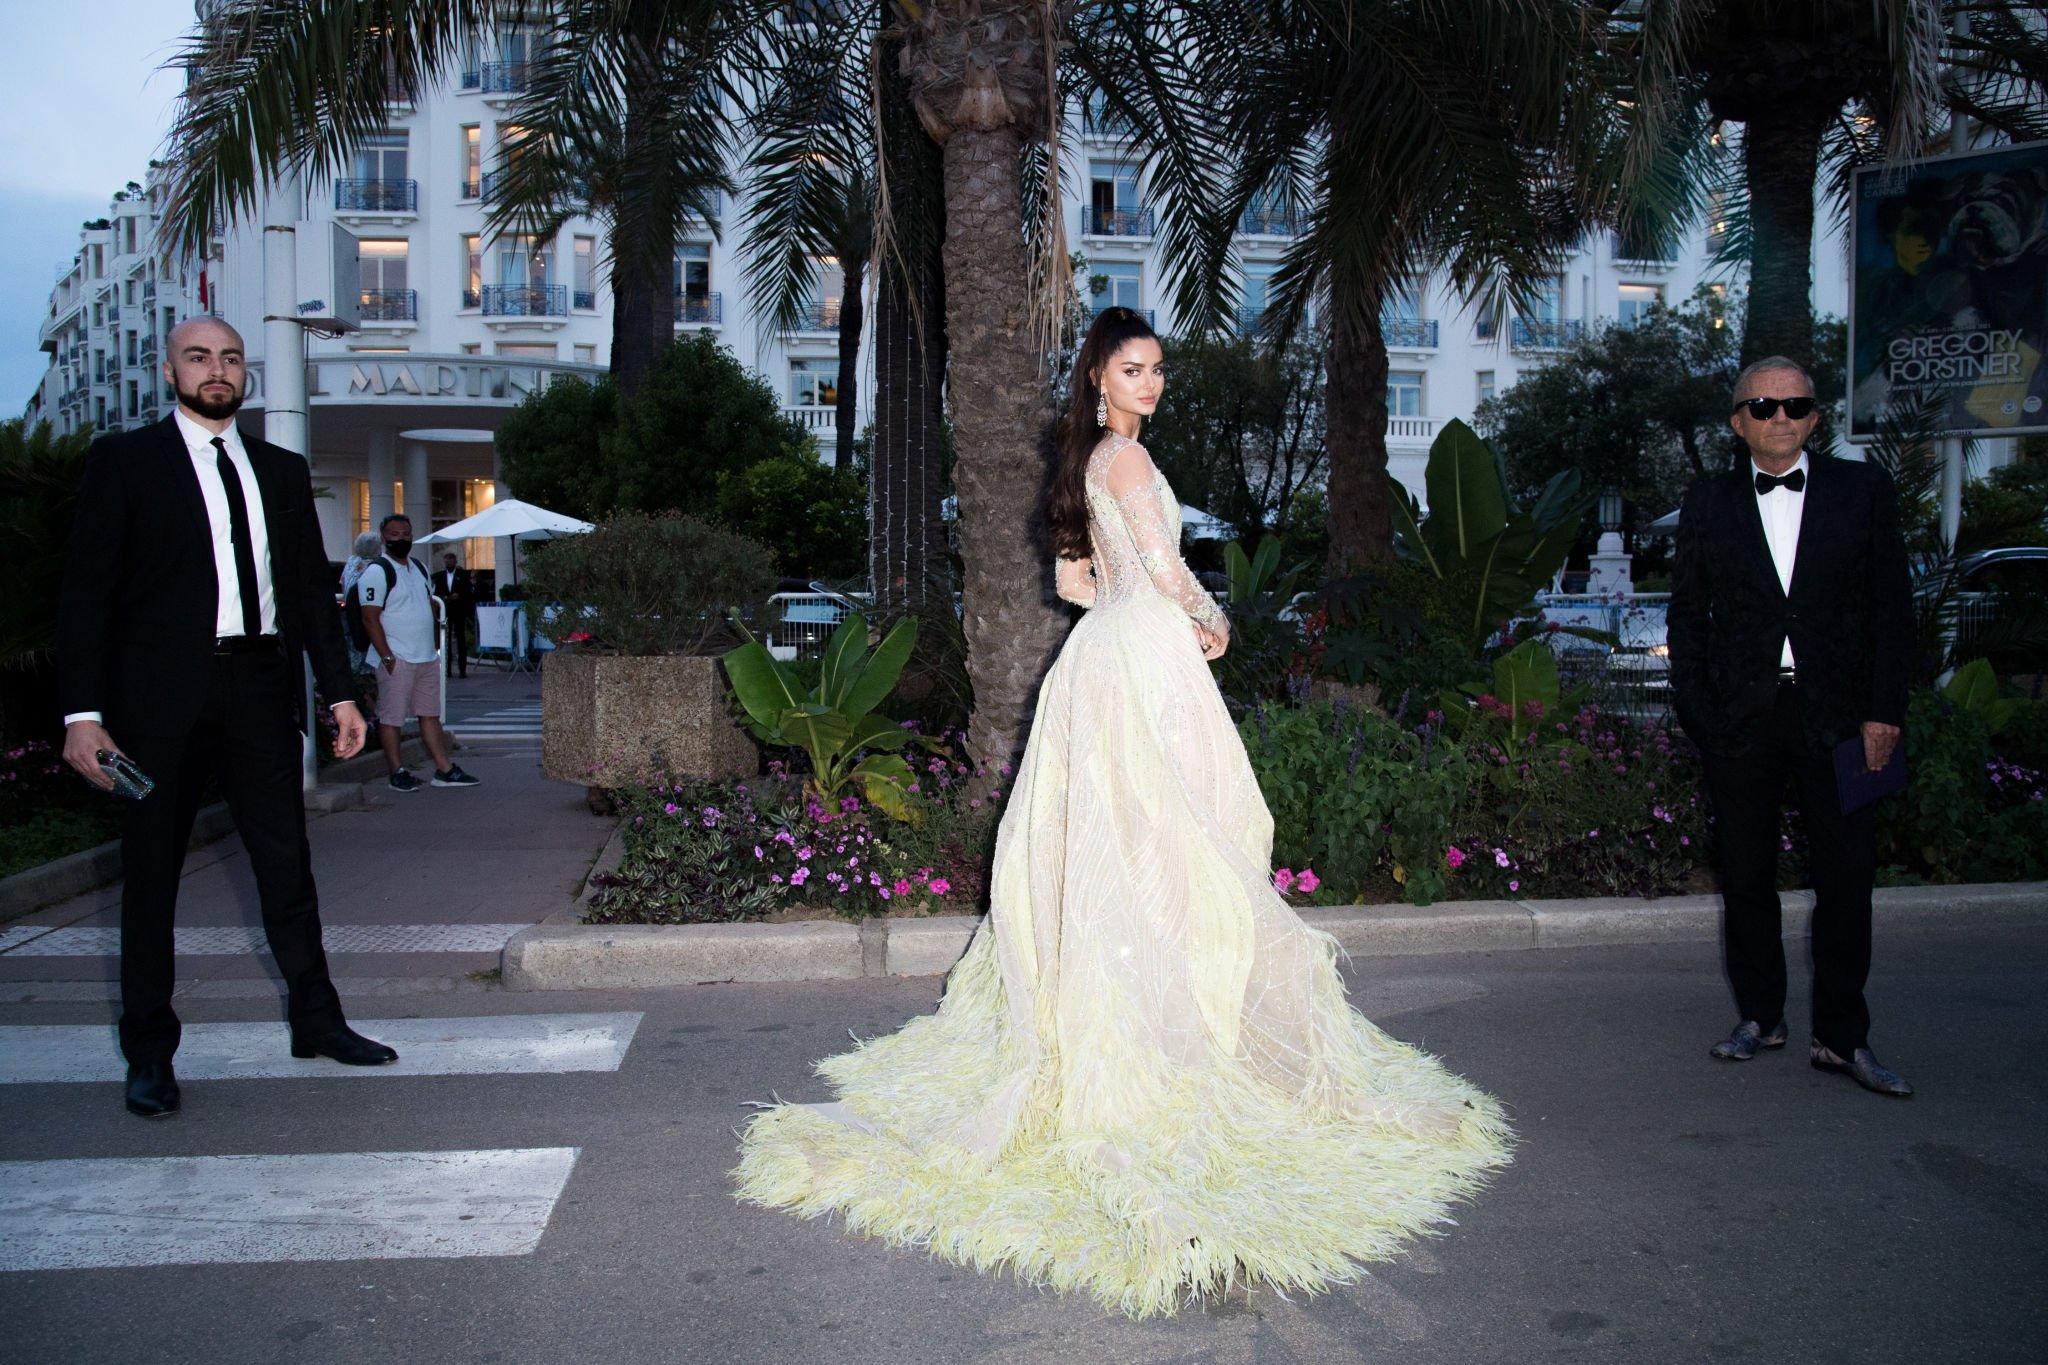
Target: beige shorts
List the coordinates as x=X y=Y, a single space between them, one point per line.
x=408 y=690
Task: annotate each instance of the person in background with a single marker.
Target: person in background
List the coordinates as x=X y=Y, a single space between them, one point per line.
x=398 y=614
x=366 y=547
x=458 y=605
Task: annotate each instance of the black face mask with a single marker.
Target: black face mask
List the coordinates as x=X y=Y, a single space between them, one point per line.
x=398 y=549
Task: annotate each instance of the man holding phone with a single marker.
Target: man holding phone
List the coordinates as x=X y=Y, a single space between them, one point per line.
x=194 y=583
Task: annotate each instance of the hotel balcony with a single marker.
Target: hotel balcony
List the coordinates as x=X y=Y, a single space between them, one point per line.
x=1267 y=220
x=400 y=306
x=1544 y=334
x=707 y=310
x=503 y=80
x=1120 y=222
x=1412 y=433
x=816 y=316
x=383 y=201
x=1639 y=255
x=822 y=421
x=543 y=305
x=145 y=355
x=1409 y=334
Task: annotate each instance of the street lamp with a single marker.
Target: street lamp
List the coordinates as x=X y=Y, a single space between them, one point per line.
x=1610 y=509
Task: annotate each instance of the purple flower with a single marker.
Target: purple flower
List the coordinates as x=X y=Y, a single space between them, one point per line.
x=800 y=876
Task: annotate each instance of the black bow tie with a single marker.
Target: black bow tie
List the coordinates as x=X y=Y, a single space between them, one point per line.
x=1796 y=481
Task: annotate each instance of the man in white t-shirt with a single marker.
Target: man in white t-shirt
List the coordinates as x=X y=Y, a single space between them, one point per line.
x=398 y=614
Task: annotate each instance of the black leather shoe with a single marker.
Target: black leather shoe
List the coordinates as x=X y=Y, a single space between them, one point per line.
x=152 y=1090
x=1742 y=1044
x=343 y=1044
x=1864 y=1069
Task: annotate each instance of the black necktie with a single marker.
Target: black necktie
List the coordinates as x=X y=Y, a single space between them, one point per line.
x=1795 y=481
x=245 y=545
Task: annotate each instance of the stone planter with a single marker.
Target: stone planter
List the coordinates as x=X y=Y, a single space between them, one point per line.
x=604 y=719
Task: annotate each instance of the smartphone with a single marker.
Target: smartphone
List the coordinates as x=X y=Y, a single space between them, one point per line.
x=129 y=780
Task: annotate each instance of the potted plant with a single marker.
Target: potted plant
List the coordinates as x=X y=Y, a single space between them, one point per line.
x=641 y=693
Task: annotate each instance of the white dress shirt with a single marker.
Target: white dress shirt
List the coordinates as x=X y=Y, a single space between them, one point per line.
x=1781 y=509
x=205 y=463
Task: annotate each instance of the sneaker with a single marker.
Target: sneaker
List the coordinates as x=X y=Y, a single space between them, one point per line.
x=403 y=781
x=454 y=777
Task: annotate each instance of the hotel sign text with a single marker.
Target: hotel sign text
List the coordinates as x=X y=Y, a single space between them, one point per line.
x=409 y=379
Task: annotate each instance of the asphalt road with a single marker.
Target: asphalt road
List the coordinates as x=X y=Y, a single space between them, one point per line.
x=1660 y=1208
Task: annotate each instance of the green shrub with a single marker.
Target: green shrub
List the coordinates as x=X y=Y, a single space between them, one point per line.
x=816 y=518
x=641 y=584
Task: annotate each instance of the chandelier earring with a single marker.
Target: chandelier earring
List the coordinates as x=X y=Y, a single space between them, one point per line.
x=1101 y=410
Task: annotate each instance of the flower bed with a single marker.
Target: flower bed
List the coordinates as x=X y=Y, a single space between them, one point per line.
x=47 y=810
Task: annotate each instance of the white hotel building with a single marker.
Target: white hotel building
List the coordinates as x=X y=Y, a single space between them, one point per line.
x=458 y=325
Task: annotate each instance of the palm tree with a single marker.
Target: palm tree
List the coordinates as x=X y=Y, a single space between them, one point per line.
x=625 y=113
x=1476 y=137
x=1821 y=87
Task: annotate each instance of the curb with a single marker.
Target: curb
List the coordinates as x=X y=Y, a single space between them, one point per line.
x=341 y=788
x=561 y=953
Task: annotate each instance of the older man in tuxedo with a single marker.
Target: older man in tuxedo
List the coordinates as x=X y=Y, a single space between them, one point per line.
x=194 y=584
x=1790 y=634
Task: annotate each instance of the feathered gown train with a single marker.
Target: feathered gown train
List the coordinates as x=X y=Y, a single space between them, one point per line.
x=1144 y=1079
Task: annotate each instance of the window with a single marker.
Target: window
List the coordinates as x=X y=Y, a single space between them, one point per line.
x=583 y=270
x=1403 y=302
x=382 y=156
x=473 y=270
x=1113 y=206
x=586 y=354
x=1543 y=308
x=472 y=348
x=1636 y=302
x=472 y=160
x=1404 y=393
x=383 y=264
x=1482 y=387
x=525 y=261
x=1258 y=287
x=813 y=383
x=1717 y=217
x=526 y=350
x=1116 y=282
x=693 y=270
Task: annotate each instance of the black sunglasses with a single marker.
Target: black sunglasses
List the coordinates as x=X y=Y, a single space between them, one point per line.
x=1798 y=409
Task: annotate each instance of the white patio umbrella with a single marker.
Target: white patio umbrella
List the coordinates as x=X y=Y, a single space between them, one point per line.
x=513 y=518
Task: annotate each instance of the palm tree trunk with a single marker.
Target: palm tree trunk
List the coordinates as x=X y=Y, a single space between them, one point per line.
x=1001 y=419
x=1355 y=415
x=1781 y=157
x=852 y=311
x=643 y=286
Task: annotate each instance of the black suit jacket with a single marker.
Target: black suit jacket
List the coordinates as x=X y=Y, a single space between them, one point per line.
x=136 y=616
x=1849 y=612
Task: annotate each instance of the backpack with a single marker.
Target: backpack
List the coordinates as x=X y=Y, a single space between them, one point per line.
x=352 y=605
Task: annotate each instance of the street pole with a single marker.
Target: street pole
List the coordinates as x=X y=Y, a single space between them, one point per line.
x=284 y=374
x=1952 y=447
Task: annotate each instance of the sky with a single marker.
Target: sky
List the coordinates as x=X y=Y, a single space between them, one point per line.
x=83 y=109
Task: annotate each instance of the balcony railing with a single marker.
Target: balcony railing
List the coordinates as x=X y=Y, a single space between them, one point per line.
x=490 y=185
x=1251 y=321
x=377 y=196
x=705 y=309
x=146 y=353
x=1097 y=309
x=818 y=316
x=1641 y=253
x=585 y=299
x=1411 y=333
x=1544 y=334
x=1266 y=220
x=471 y=80
x=821 y=419
x=525 y=300
x=390 y=305
x=504 y=78
x=1412 y=430
x=1120 y=222
x=472 y=186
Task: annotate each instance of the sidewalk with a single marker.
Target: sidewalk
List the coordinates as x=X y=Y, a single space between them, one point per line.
x=417 y=892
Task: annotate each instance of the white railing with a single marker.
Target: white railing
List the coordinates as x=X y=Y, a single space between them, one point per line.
x=1418 y=429
x=1636 y=621
x=820 y=419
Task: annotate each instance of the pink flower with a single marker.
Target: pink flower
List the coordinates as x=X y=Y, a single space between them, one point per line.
x=1500 y=859
x=1455 y=856
x=884 y=893
x=803 y=855
x=800 y=876
x=758 y=854
x=940 y=886
x=1283 y=881
x=1307 y=882
x=1514 y=886
x=903 y=886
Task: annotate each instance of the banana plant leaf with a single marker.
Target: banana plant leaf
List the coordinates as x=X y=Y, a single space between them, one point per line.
x=1467 y=502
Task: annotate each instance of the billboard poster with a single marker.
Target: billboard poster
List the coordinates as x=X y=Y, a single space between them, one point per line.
x=1948 y=296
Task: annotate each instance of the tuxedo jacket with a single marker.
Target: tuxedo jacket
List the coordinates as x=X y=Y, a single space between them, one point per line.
x=137 y=613
x=1848 y=613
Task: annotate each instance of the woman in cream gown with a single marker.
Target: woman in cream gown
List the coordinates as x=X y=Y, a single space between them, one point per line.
x=1144 y=1080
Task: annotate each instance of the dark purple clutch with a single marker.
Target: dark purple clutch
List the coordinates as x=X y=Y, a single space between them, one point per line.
x=1856 y=785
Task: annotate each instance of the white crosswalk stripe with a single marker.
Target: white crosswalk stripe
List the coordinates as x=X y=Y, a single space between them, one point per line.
x=511 y=722
x=196 y=1210
x=525 y=1044
x=235 y=940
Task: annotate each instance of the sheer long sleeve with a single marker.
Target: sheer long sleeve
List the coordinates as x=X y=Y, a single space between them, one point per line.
x=1074 y=580
x=1133 y=481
